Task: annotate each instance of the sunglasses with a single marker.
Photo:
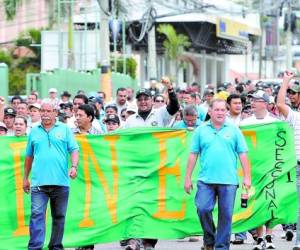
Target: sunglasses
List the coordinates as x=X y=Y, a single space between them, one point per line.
x=159 y=101
x=290 y=92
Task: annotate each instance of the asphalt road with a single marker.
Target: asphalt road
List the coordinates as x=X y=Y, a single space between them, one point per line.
x=184 y=244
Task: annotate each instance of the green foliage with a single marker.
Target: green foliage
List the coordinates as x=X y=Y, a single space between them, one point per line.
x=174 y=43
x=131 y=66
x=5 y=57
x=17 y=79
x=10 y=7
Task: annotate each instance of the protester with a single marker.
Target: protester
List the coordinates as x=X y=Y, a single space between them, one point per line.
x=15 y=101
x=218 y=175
x=121 y=100
x=65 y=97
x=148 y=116
x=111 y=109
x=9 y=118
x=22 y=109
x=112 y=123
x=292 y=116
x=190 y=118
x=259 y=104
x=20 y=126
x=52 y=98
x=159 y=101
x=34 y=115
x=3 y=129
x=234 y=104
x=32 y=98
x=84 y=120
x=47 y=152
x=293 y=94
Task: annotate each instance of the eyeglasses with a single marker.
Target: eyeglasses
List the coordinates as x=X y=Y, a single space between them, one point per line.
x=291 y=93
x=159 y=101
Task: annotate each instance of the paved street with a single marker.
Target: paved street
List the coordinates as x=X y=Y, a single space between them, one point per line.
x=186 y=245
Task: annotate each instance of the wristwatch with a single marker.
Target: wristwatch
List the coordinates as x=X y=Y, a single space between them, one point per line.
x=73 y=166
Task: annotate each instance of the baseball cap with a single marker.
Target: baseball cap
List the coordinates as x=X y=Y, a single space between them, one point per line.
x=208 y=92
x=143 y=91
x=65 y=93
x=52 y=90
x=2 y=125
x=295 y=88
x=66 y=105
x=35 y=105
x=260 y=94
x=131 y=108
x=112 y=118
x=10 y=111
x=97 y=99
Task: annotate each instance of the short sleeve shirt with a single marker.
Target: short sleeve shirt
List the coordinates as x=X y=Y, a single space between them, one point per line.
x=50 y=151
x=218 y=151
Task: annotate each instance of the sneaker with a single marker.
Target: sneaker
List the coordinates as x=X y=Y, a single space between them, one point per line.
x=194 y=239
x=269 y=243
x=237 y=242
x=297 y=247
x=289 y=235
x=260 y=244
x=133 y=244
x=207 y=248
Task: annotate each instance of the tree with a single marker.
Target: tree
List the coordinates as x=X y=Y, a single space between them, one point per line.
x=174 y=45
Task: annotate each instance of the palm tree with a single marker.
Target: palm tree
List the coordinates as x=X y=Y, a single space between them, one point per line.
x=174 y=45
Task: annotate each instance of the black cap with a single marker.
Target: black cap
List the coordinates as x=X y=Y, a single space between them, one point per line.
x=66 y=105
x=112 y=118
x=143 y=91
x=10 y=111
x=66 y=93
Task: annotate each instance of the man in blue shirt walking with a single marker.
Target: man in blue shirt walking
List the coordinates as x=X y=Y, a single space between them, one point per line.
x=48 y=147
x=219 y=144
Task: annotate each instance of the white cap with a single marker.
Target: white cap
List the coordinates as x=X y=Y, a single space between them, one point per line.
x=52 y=90
x=35 y=105
x=132 y=107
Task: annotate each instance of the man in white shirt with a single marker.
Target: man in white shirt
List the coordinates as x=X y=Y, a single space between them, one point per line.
x=293 y=118
x=259 y=105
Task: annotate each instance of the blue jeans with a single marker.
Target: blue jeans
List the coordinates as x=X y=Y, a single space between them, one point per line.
x=40 y=196
x=205 y=201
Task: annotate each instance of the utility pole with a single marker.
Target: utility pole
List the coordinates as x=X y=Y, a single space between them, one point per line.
x=71 y=58
x=261 y=4
x=105 y=81
x=152 y=69
x=275 y=34
x=289 y=62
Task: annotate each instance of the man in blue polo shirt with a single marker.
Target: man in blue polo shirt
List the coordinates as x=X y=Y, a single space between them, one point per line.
x=190 y=119
x=218 y=178
x=48 y=147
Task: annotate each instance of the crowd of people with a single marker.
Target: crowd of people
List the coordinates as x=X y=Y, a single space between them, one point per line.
x=52 y=122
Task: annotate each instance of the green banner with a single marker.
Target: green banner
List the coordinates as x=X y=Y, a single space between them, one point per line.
x=130 y=184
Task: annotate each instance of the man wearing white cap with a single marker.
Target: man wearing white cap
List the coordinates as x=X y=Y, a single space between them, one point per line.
x=52 y=99
x=259 y=105
x=34 y=116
